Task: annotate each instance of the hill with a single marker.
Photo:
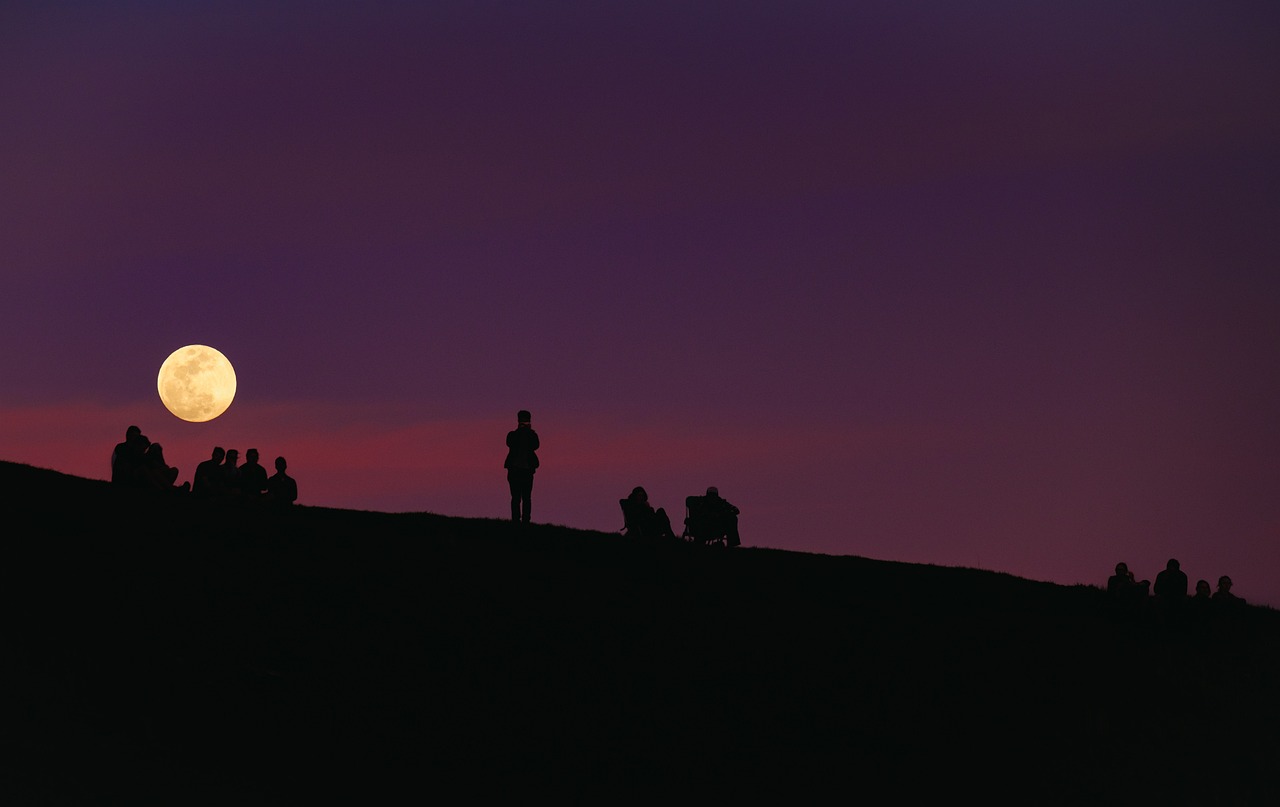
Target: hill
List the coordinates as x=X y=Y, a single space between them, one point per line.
x=161 y=649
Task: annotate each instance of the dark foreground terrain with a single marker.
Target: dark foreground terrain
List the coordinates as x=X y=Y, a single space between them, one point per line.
x=159 y=651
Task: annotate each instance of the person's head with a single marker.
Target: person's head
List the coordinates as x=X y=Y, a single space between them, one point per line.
x=1172 y=565
x=132 y=432
x=233 y=456
x=155 y=450
x=1122 y=568
x=713 y=491
x=1224 y=583
x=523 y=417
x=218 y=453
x=639 y=494
x=1202 y=588
x=251 y=455
x=281 y=464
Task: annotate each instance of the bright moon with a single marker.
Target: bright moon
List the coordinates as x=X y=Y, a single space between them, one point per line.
x=196 y=383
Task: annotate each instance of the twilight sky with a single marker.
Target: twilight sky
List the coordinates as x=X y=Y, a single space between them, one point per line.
x=990 y=284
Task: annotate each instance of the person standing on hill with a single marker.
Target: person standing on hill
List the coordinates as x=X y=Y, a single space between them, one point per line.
x=521 y=463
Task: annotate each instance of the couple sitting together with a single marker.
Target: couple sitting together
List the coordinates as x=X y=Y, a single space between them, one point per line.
x=709 y=519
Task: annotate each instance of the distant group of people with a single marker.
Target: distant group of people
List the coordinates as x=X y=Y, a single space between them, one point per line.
x=1170 y=588
x=223 y=477
x=139 y=463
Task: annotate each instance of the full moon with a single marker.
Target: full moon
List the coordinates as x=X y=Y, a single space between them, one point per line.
x=196 y=383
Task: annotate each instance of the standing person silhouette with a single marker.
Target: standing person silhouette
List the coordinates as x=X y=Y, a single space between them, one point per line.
x=521 y=463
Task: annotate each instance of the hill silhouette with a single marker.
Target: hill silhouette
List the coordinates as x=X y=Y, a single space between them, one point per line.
x=160 y=649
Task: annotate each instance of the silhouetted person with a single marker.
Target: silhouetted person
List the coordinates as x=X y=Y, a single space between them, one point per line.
x=253 y=477
x=157 y=474
x=1224 y=596
x=127 y=457
x=1171 y=584
x=521 y=463
x=229 y=473
x=282 y=490
x=642 y=521
x=1124 y=589
x=726 y=513
x=206 y=482
x=1201 y=601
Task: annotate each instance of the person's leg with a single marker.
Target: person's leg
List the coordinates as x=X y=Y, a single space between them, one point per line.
x=731 y=531
x=526 y=497
x=664 y=524
x=513 y=482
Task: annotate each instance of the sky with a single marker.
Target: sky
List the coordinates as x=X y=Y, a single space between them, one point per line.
x=989 y=284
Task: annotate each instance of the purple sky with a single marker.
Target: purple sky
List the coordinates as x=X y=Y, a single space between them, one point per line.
x=989 y=284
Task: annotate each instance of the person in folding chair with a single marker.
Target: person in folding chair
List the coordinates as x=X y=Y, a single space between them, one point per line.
x=641 y=520
x=712 y=518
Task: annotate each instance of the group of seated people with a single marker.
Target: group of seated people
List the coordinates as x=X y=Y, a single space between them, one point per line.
x=139 y=463
x=1170 y=587
x=709 y=519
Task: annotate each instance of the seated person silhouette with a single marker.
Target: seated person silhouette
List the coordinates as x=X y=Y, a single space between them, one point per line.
x=206 y=483
x=127 y=459
x=641 y=520
x=157 y=474
x=710 y=519
x=1223 y=595
x=1171 y=584
x=252 y=476
x=1124 y=589
x=282 y=489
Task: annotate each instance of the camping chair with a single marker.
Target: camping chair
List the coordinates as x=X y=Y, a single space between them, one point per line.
x=702 y=524
x=631 y=524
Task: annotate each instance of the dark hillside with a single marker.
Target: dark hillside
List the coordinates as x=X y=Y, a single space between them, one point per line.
x=161 y=650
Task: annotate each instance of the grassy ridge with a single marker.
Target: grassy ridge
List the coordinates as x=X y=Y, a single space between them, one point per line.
x=166 y=649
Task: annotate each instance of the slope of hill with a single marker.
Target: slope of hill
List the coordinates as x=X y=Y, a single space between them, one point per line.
x=167 y=650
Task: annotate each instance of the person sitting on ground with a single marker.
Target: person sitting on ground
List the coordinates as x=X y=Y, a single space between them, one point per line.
x=206 y=483
x=127 y=459
x=1224 y=595
x=642 y=521
x=1124 y=588
x=282 y=490
x=229 y=473
x=726 y=513
x=253 y=477
x=1171 y=583
x=158 y=474
x=1203 y=593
